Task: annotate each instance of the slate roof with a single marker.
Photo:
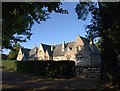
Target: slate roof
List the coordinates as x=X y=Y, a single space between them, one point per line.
x=58 y=49
x=32 y=53
x=95 y=49
x=48 y=48
x=26 y=52
x=85 y=40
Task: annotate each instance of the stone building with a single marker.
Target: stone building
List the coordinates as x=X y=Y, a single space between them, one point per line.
x=82 y=51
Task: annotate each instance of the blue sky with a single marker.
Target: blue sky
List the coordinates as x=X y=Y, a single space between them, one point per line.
x=59 y=28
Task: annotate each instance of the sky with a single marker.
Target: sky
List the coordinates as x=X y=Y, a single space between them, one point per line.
x=57 y=29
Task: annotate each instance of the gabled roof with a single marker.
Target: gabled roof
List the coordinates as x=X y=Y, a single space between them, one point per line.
x=58 y=49
x=32 y=52
x=85 y=40
x=95 y=49
x=48 y=48
x=25 y=51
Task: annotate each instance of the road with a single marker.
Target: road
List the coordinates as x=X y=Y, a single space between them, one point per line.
x=15 y=80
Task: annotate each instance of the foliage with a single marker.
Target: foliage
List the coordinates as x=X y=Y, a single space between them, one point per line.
x=13 y=53
x=18 y=19
x=105 y=23
x=9 y=64
x=57 y=69
x=98 y=44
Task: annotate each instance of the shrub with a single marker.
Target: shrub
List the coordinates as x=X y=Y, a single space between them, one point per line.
x=9 y=64
x=46 y=68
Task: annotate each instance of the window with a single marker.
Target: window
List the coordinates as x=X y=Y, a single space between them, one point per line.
x=68 y=57
x=79 y=57
x=40 y=58
x=40 y=52
x=20 y=55
x=46 y=57
x=78 y=48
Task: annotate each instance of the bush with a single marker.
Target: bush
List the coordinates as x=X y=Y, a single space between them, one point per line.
x=59 y=69
x=9 y=64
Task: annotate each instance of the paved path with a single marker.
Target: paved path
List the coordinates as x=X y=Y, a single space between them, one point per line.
x=15 y=80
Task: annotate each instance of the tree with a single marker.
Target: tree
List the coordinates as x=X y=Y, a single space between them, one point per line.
x=18 y=19
x=13 y=53
x=98 y=44
x=105 y=23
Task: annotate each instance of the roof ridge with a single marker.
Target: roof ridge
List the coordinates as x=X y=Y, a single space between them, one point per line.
x=26 y=48
x=45 y=44
x=65 y=43
x=85 y=38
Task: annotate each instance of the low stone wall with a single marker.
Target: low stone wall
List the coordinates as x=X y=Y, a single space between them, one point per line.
x=87 y=72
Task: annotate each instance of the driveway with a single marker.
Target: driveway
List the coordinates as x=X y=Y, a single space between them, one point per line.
x=15 y=80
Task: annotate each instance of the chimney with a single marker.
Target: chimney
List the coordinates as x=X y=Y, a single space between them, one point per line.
x=52 y=47
x=91 y=42
x=91 y=39
x=63 y=46
x=35 y=47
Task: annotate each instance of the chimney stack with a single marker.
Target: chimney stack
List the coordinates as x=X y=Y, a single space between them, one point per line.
x=35 y=47
x=91 y=42
x=63 y=46
x=52 y=47
x=91 y=39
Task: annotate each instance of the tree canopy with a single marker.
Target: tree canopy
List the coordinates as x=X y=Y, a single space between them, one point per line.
x=105 y=23
x=18 y=19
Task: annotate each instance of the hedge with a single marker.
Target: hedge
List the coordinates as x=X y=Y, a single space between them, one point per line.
x=59 y=69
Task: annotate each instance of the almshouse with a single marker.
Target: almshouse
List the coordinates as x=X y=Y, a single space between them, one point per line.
x=83 y=51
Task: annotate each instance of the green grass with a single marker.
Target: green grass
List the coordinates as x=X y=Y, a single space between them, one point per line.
x=9 y=65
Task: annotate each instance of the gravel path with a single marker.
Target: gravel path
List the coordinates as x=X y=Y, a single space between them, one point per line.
x=15 y=80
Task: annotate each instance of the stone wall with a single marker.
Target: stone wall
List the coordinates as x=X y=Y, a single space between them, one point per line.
x=87 y=72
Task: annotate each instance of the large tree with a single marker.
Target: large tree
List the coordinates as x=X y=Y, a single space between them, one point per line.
x=19 y=17
x=105 y=23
